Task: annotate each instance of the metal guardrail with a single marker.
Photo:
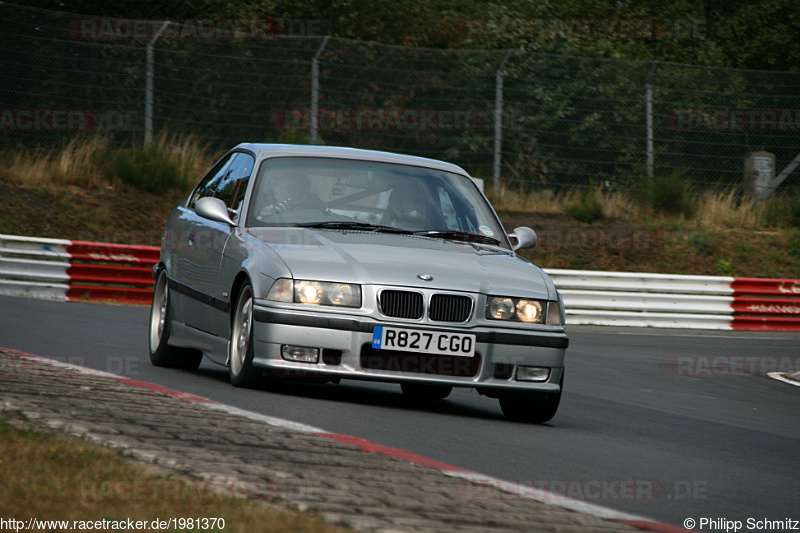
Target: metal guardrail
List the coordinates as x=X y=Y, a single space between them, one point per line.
x=77 y=270
x=766 y=304
x=645 y=300
x=677 y=301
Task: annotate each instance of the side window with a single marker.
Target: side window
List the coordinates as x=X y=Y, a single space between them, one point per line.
x=233 y=185
x=208 y=183
x=227 y=181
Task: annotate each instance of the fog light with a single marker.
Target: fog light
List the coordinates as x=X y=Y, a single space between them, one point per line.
x=532 y=373
x=300 y=354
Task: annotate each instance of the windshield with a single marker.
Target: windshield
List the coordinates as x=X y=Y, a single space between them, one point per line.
x=351 y=194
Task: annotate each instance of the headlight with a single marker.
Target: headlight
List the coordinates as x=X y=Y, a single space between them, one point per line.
x=522 y=310
x=308 y=292
x=315 y=292
x=530 y=311
x=500 y=308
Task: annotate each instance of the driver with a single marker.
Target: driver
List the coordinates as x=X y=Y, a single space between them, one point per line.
x=290 y=191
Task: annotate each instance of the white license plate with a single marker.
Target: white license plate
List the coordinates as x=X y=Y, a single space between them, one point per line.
x=423 y=341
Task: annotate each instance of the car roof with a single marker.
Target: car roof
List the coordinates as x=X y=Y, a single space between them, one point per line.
x=264 y=150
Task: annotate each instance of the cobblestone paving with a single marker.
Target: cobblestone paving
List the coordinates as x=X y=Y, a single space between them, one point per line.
x=304 y=471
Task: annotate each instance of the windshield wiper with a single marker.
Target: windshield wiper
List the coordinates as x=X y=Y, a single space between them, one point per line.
x=459 y=236
x=362 y=226
x=378 y=228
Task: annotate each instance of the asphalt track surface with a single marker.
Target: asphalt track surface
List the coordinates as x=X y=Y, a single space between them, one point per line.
x=668 y=424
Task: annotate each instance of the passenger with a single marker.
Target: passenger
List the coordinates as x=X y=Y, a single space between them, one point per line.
x=408 y=209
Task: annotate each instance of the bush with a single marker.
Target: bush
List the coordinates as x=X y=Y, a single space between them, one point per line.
x=150 y=168
x=672 y=195
x=585 y=206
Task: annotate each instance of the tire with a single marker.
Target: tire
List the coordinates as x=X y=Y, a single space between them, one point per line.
x=426 y=392
x=240 y=351
x=531 y=407
x=161 y=353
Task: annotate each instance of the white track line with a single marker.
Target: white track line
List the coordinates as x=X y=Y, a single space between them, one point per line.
x=780 y=377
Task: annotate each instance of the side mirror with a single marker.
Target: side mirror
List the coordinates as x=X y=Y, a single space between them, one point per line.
x=523 y=237
x=213 y=209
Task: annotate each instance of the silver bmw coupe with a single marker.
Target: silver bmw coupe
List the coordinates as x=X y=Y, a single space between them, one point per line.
x=307 y=262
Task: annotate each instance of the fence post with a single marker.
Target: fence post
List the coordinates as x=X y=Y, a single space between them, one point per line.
x=788 y=169
x=312 y=137
x=498 y=121
x=649 y=121
x=148 y=84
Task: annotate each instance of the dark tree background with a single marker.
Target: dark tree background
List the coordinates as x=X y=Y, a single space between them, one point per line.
x=745 y=34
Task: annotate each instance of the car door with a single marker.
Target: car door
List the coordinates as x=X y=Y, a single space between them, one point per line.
x=206 y=300
x=232 y=191
x=180 y=243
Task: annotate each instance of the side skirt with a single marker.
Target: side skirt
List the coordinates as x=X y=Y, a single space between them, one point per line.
x=213 y=347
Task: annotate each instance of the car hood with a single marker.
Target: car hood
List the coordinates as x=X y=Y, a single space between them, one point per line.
x=390 y=259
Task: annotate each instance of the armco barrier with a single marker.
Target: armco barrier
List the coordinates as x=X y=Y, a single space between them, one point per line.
x=766 y=304
x=675 y=301
x=77 y=270
x=642 y=300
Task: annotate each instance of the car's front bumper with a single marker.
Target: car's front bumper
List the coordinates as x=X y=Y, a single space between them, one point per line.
x=345 y=352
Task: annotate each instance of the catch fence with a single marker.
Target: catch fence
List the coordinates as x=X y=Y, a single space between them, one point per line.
x=514 y=117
